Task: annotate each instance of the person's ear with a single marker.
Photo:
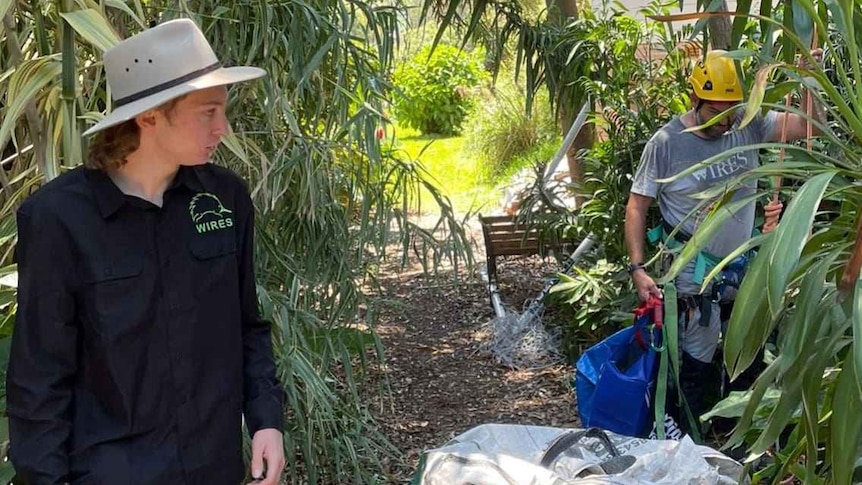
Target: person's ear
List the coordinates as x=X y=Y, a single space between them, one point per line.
x=695 y=101
x=147 y=119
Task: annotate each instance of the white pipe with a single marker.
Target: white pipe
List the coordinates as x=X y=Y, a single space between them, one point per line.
x=567 y=141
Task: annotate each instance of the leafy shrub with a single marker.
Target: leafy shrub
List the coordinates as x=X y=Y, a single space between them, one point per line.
x=436 y=91
x=598 y=292
x=500 y=131
x=634 y=97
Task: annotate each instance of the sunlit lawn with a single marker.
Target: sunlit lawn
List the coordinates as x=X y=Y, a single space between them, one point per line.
x=456 y=172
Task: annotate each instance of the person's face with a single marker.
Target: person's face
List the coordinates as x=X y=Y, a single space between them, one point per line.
x=189 y=133
x=711 y=109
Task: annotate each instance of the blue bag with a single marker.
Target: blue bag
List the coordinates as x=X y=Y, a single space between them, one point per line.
x=615 y=378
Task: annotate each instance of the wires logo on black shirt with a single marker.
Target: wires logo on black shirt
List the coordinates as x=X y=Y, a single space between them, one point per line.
x=208 y=213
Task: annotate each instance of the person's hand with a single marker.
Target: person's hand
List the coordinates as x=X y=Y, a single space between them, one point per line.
x=267 y=446
x=817 y=54
x=771 y=213
x=645 y=285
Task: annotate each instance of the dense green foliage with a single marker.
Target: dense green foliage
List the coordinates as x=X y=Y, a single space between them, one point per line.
x=634 y=96
x=803 y=410
x=499 y=132
x=435 y=89
x=327 y=194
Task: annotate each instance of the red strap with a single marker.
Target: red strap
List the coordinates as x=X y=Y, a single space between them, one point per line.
x=655 y=306
x=658 y=313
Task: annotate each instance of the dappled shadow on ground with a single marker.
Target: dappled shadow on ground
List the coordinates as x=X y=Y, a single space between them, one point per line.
x=441 y=380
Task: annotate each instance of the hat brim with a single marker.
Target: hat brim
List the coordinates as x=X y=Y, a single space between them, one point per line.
x=220 y=77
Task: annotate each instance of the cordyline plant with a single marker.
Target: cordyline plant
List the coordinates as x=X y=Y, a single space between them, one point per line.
x=803 y=284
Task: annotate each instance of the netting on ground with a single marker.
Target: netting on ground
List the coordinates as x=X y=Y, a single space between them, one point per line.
x=521 y=341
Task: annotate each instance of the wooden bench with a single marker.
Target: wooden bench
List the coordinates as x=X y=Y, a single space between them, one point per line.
x=504 y=236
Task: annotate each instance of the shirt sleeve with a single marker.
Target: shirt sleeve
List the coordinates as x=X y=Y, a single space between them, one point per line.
x=765 y=125
x=42 y=363
x=644 y=181
x=263 y=395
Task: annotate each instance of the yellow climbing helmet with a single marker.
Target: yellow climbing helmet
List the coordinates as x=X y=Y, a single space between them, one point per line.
x=715 y=79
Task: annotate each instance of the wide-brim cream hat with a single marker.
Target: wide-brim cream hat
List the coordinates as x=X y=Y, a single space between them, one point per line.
x=162 y=63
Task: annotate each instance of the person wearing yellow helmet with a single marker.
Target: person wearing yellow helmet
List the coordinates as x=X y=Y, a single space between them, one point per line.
x=709 y=129
x=715 y=89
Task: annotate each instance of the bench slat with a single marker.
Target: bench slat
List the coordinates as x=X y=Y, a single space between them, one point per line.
x=516 y=251
x=505 y=230
x=514 y=237
x=525 y=245
x=493 y=219
x=504 y=237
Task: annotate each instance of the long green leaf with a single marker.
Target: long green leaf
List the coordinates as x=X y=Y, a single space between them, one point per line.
x=789 y=404
x=766 y=28
x=803 y=25
x=739 y=23
x=5 y=5
x=763 y=384
x=29 y=79
x=857 y=334
x=706 y=232
x=734 y=405
x=750 y=314
x=846 y=426
x=755 y=99
x=804 y=328
x=788 y=48
x=122 y=5
x=755 y=310
x=93 y=27
x=744 y=248
x=791 y=235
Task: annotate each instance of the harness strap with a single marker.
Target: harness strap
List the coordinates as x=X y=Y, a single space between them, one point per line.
x=704 y=261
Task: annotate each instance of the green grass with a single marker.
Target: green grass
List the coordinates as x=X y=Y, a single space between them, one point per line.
x=459 y=175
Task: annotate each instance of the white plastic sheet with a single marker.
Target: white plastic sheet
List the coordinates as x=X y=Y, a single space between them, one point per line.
x=497 y=454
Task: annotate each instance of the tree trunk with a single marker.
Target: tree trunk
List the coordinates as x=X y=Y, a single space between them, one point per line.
x=560 y=12
x=851 y=272
x=720 y=29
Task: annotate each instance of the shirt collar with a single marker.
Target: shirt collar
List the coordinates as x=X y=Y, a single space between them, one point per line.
x=199 y=178
x=110 y=198
x=187 y=176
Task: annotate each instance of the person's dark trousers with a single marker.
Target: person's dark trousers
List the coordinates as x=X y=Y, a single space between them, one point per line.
x=700 y=383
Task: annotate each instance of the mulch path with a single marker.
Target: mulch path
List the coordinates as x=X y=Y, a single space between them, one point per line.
x=441 y=379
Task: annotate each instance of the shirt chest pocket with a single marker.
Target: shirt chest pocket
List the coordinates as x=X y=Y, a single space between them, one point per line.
x=117 y=295
x=214 y=260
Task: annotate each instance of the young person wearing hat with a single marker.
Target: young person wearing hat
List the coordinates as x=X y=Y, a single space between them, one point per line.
x=138 y=347
x=715 y=90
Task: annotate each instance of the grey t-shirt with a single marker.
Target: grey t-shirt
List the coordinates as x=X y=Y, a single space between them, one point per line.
x=671 y=151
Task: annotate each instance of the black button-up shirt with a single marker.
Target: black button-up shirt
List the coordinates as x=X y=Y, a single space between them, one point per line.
x=138 y=344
